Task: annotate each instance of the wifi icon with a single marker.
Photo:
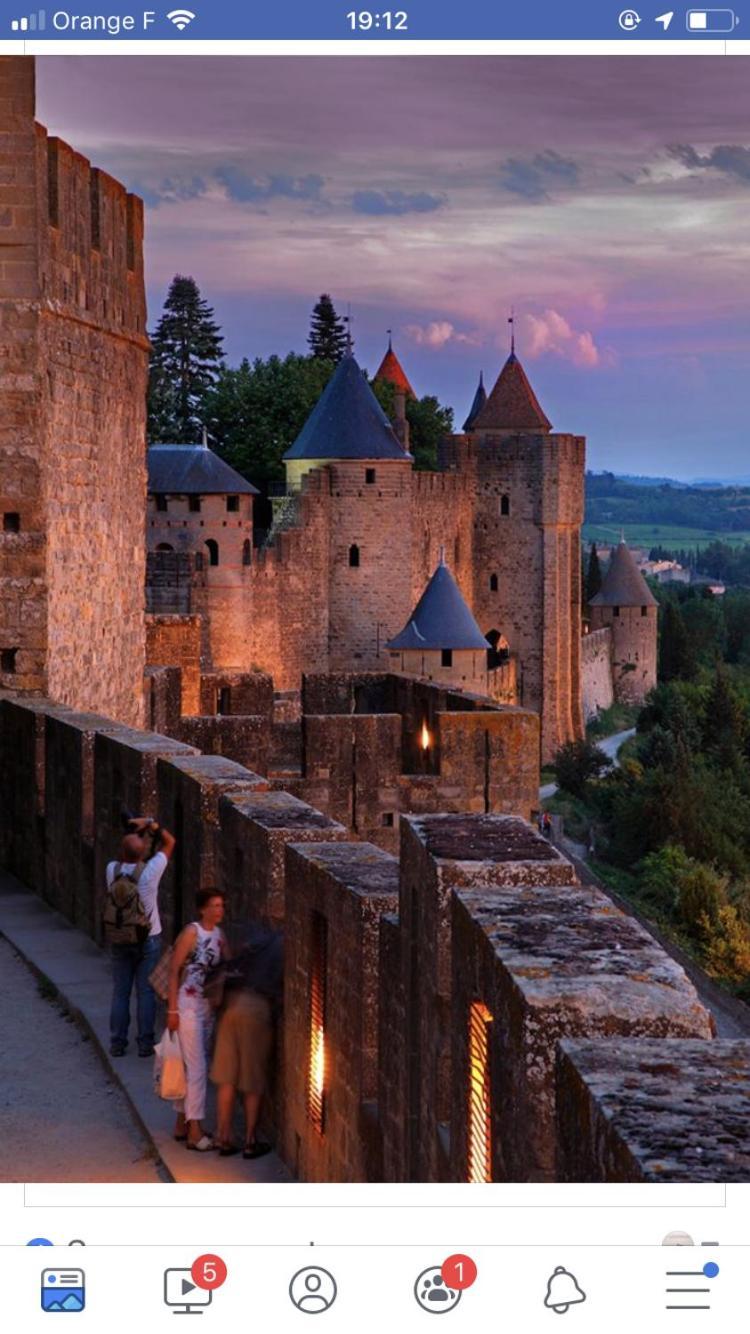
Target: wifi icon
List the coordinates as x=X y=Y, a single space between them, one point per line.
x=181 y=17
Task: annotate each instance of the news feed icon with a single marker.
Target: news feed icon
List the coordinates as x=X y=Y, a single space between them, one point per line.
x=182 y=1294
x=63 y=1290
x=36 y=22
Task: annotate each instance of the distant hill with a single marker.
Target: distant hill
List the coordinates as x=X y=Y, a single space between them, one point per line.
x=653 y=502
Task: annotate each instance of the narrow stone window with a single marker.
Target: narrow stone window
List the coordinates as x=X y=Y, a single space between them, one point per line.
x=493 y=583
x=505 y=506
x=446 y=657
x=8 y=660
x=213 y=551
x=387 y=819
x=644 y=611
x=354 y=556
x=12 y=522
x=199 y=560
x=316 y=1075
x=165 y=546
x=480 y=1107
x=224 y=700
x=247 y=552
x=194 y=504
x=615 y=612
x=162 y=504
x=233 y=504
x=53 y=188
x=96 y=233
x=370 y=475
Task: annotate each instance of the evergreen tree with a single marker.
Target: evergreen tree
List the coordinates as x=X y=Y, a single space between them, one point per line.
x=676 y=658
x=186 y=359
x=327 y=338
x=593 y=575
x=725 y=723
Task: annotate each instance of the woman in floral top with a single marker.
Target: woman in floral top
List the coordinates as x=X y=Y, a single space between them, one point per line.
x=198 y=949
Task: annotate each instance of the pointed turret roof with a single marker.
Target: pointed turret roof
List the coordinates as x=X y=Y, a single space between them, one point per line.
x=623 y=584
x=512 y=404
x=480 y=398
x=391 y=370
x=347 y=422
x=441 y=618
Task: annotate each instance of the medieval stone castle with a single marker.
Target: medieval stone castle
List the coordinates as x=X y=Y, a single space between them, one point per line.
x=343 y=726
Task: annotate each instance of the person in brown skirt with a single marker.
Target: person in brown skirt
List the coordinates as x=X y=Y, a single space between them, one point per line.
x=244 y=1037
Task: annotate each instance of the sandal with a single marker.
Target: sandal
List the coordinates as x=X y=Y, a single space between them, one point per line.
x=258 y=1149
x=203 y=1145
x=228 y=1150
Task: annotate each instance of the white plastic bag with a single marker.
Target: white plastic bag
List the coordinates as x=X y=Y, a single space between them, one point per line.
x=169 y=1068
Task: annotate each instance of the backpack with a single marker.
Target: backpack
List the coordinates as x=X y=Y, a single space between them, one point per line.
x=125 y=920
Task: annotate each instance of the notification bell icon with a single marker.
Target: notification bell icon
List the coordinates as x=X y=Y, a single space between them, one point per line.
x=563 y=1291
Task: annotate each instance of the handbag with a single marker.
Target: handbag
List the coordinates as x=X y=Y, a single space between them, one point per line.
x=170 y=1080
x=159 y=977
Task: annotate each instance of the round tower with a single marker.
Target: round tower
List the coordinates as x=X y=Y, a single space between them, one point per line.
x=626 y=606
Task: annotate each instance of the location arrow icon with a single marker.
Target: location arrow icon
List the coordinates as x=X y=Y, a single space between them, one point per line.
x=665 y=19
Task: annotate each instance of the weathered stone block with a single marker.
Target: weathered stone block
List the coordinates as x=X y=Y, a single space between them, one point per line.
x=244 y=738
x=550 y=962
x=256 y=827
x=349 y=886
x=653 y=1110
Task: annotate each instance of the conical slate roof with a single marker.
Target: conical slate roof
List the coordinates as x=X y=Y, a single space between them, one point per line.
x=192 y=470
x=623 y=584
x=512 y=404
x=480 y=398
x=391 y=370
x=441 y=618
x=347 y=422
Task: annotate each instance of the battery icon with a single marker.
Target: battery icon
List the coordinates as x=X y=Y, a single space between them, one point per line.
x=711 y=20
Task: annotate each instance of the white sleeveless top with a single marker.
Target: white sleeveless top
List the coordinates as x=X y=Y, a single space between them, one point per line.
x=205 y=955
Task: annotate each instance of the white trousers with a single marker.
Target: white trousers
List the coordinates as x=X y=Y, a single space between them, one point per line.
x=196 y=1027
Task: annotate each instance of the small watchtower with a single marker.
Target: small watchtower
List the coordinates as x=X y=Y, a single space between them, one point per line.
x=626 y=605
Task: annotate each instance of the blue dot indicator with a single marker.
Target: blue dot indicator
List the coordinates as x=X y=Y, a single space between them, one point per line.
x=711 y=1269
x=39 y=1241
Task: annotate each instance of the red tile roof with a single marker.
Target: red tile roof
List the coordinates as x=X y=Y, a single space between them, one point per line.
x=512 y=405
x=392 y=371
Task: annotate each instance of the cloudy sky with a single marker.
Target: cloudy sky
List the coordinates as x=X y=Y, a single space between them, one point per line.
x=607 y=200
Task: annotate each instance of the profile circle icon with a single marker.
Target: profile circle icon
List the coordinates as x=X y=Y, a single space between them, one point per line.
x=313 y=1290
x=433 y=1293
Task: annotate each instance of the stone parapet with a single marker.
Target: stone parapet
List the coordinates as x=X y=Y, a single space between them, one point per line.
x=653 y=1110
x=337 y=894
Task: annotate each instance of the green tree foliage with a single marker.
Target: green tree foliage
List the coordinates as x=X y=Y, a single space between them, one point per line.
x=676 y=656
x=429 y=423
x=577 y=763
x=256 y=411
x=327 y=338
x=186 y=359
x=593 y=574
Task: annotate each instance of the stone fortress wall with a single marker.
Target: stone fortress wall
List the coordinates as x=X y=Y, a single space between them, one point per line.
x=597 y=685
x=72 y=382
x=482 y=1017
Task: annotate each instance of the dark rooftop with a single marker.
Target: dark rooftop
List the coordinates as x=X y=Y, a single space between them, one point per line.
x=183 y=470
x=347 y=422
x=480 y=398
x=623 y=584
x=441 y=619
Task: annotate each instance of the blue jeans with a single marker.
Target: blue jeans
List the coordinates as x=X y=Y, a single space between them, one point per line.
x=134 y=964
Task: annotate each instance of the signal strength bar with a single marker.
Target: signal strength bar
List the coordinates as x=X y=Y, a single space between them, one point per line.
x=32 y=23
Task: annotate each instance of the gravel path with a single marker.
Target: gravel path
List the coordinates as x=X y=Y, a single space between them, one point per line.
x=61 y=1118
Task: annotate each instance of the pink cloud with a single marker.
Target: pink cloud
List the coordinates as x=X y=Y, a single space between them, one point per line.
x=438 y=333
x=550 y=333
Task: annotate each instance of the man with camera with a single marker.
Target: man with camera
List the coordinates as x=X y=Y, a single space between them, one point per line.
x=132 y=928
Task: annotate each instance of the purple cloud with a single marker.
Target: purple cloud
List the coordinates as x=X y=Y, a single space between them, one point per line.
x=395 y=203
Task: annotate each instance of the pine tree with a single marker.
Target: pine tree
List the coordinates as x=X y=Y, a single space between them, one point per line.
x=327 y=338
x=725 y=722
x=186 y=358
x=676 y=658
x=593 y=575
